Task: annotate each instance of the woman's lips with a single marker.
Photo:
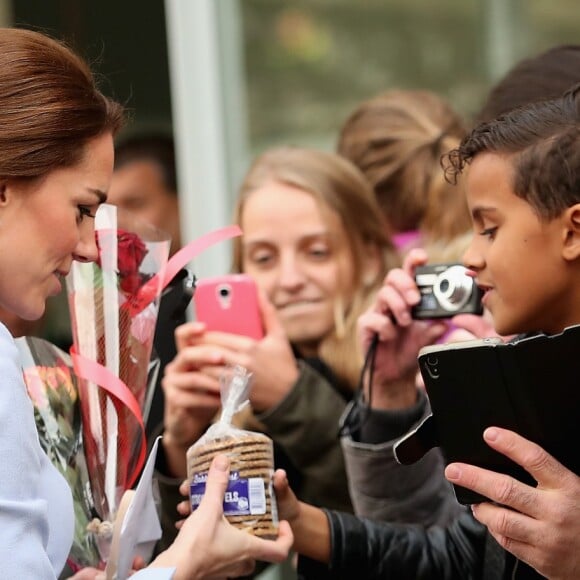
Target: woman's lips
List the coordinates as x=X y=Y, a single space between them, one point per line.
x=297 y=305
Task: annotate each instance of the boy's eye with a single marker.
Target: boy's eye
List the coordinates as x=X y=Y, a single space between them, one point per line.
x=85 y=211
x=489 y=232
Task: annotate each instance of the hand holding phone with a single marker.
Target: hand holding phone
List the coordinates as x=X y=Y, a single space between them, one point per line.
x=229 y=304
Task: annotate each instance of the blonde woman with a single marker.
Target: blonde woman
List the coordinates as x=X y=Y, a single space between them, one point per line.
x=315 y=244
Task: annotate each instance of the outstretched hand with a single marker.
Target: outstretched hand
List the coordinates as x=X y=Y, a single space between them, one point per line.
x=540 y=526
x=208 y=546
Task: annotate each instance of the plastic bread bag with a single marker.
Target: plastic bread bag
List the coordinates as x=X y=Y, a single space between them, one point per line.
x=249 y=501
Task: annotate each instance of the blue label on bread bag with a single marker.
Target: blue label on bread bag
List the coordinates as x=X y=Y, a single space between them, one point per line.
x=243 y=497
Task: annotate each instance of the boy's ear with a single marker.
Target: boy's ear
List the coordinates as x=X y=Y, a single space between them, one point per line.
x=571 y=248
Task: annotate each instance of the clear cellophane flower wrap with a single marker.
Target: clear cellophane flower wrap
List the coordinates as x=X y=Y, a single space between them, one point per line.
x=52 y=387
x=249 y=502
x=113 y=305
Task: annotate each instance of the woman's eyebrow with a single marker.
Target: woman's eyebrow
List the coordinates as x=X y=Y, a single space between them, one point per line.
x=100 y=194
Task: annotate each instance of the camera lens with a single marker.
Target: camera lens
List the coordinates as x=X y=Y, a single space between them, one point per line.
x=224 y=291
x=453 y=288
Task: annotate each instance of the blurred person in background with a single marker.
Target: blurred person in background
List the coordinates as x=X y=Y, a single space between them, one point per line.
x=145 y=181
x=315 y=244
x=544 y=76
x=396 y=139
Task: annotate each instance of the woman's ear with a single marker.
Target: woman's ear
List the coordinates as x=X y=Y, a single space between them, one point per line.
x=571 y=247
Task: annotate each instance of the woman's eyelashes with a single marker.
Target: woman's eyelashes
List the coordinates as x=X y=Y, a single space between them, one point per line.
x=261 y=258
x=84 y=211
x=489 y=232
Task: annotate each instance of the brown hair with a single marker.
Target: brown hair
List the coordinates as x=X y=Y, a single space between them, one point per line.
x=396 y=139
x=544 y=76
x=50 y=106
x=336 y=185
x=543 y=142
x=156 y=148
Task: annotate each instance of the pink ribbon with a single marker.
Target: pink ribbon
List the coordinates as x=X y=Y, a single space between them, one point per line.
x=94 y=372
x=150 y=290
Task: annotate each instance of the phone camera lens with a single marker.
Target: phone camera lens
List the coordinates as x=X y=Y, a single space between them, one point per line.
x=224 y=291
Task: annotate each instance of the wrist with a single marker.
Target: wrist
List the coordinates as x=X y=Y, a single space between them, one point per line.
x=311 y=531
x=170 y=560
x=391 y=395
x=271 y=397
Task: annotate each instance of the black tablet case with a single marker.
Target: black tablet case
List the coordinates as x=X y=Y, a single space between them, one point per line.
x=531 y=386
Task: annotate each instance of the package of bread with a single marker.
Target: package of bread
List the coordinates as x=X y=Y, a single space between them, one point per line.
x=249 y=501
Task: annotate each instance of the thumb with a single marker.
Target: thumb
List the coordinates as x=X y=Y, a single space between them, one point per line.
x=272 y=324
x=186 y=333
x=217 y=483
x=477 y=325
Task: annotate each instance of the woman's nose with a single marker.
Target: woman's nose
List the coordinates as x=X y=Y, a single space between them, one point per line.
x=290 y=273
x=86 y=250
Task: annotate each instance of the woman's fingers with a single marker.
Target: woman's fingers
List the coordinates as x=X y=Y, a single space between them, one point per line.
x=194 y=357
x=188 y=333
x=274 y=550
x=415 y=257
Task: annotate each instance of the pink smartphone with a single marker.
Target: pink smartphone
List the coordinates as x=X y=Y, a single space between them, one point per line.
x=229 y=304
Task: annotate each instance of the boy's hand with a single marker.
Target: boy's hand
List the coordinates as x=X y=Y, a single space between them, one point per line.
x=287 y=502
x=541 y=525
x=477 y=326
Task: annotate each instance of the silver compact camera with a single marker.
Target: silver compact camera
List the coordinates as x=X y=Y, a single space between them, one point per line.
x=446 y=290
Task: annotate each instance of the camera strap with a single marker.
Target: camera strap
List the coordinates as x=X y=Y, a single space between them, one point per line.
x=359 y=409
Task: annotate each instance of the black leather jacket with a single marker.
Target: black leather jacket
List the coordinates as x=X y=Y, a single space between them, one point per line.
x=365 y=549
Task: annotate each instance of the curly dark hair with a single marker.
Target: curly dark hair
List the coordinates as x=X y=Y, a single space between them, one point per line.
x=543 y=140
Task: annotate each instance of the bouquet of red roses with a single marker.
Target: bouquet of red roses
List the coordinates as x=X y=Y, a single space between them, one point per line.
x=114 y=304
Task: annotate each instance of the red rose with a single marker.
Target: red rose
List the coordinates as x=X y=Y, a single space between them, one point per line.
x=130 y=283
x=131 y=251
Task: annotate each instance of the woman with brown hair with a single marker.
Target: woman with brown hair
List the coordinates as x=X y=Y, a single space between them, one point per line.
x=56 y=161
x=397 y=139
x=314 y=242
